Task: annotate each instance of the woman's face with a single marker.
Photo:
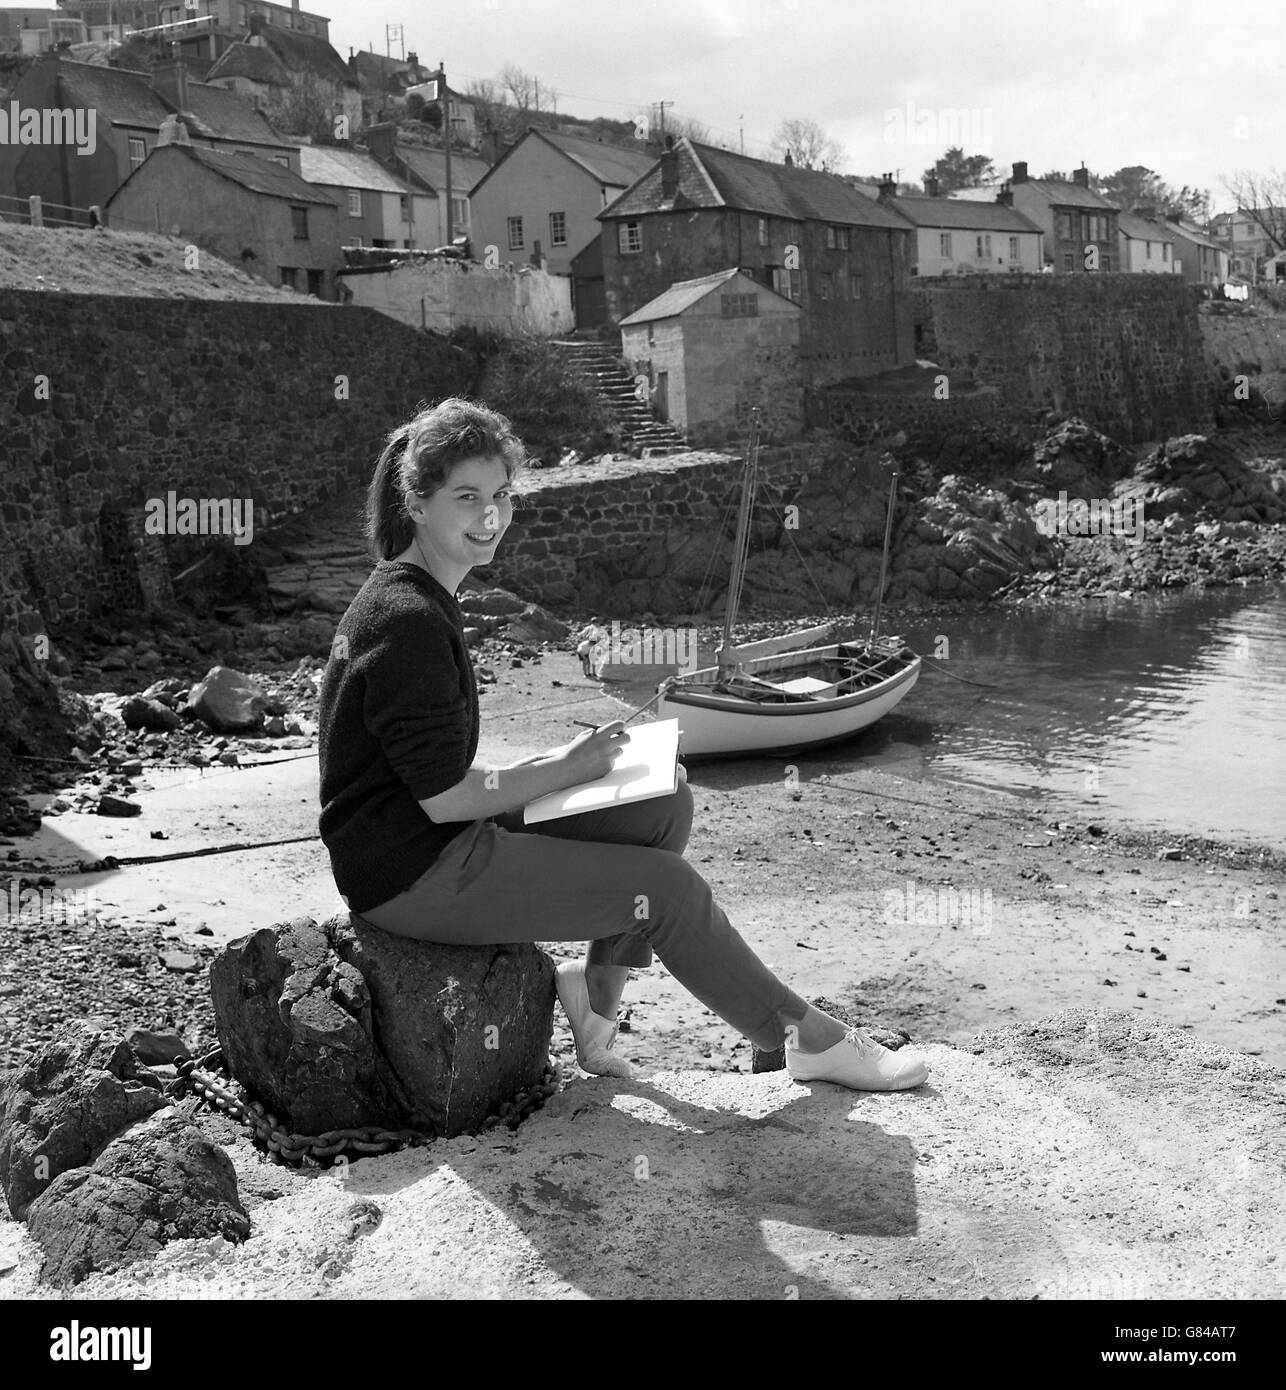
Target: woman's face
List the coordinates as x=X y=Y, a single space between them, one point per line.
x=465 y=518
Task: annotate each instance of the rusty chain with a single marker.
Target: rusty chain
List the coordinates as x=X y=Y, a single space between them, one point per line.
x=307 y=1149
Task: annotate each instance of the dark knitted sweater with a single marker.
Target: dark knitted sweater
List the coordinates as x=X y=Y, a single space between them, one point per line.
x=397 y=722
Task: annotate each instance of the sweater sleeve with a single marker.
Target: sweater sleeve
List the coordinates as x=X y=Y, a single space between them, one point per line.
x=415 y=704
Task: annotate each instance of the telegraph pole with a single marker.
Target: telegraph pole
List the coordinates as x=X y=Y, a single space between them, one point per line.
x=661 y=106
x=446 y=130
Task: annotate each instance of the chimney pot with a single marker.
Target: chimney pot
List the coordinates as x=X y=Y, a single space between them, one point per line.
x=931 y=185
x=1081 y=176
x=788 y=161
x=1020 y=172
x=888 y=187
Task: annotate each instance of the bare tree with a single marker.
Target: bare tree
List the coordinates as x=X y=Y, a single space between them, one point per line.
x=521 y=86
x=1262 y=198
x=808 y=146
x=307 y=108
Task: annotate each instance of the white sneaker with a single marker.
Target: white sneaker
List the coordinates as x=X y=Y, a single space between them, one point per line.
x=593 y=1034
x=859 y=1062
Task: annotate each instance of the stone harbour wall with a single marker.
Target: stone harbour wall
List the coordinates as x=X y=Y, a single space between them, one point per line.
x=1124 y=352
x=110 y=401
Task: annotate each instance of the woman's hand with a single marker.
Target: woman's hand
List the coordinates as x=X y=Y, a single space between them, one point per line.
x=591 y=755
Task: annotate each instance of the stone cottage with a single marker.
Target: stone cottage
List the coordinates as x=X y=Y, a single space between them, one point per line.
x=713 y=347
x=810 y=237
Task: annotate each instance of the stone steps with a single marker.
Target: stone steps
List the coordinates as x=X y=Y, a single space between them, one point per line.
x=604 y=372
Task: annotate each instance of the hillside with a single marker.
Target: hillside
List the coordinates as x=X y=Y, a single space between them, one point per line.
x=144 y=264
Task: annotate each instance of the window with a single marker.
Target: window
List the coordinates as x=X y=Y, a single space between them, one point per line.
x=984 y=247
x=629 y=237
x=459 y=213
x=1105 y=262
x=739 y=306
x=1062 y=226
x=830 y=238
x=515 y=233
x=826 y=283
x=288 y=274
x=763 y=231
x=796 y=232
x=354 y=202
x=558 y=229
x=789 y=283
x=299 y=218
x=841 y=238
x=1148 y=253
x=403 y=207
x=1165 y=252
x=315 y=283
x=1068 y=260
x=944 y=244
x=282 y=159
x=137 y=151
x=1013 y=248
x=855 y=285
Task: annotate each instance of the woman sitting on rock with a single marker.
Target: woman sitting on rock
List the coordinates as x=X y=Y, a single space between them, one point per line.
x=428 y=841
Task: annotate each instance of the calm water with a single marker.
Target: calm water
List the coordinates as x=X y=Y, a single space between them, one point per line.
x=1164 y=712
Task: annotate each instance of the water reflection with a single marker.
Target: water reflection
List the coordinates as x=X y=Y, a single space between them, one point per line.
x=1164 y=711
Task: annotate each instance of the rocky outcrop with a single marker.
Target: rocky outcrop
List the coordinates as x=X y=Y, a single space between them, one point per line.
x=1194 y=475
x=58 y=1110
x=339 y=1025
x=161 y=1180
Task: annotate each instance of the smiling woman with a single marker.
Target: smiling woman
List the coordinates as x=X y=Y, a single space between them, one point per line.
x=428 y=841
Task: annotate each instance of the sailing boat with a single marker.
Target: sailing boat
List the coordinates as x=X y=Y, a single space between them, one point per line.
x=771 y=696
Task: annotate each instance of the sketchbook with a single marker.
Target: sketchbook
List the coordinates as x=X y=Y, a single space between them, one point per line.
x=647 y=766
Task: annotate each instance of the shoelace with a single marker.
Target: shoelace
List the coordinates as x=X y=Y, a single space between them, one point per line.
x=862 y=1043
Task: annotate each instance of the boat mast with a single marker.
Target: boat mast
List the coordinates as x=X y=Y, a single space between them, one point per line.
x=884 y=562
x=726 y=655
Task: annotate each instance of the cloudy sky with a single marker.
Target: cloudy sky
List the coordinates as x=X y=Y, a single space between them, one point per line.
x=1192 y=90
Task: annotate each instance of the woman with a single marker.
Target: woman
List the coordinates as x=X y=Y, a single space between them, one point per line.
x=428 y=841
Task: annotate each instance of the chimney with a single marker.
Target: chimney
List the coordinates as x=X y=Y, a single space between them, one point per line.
x=256 y=23
x=931 y=185
x=170 y=80
x=413 y=59
x=173 y=132
x=1146 y=213
x=381 y=141
x=888 y=186
x=1081 y=176
x=1006 y=196
x=669 y=170
x=788 y=161
x=1020 y=172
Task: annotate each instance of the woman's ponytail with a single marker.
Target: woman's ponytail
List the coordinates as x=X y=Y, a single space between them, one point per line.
x=388 y=529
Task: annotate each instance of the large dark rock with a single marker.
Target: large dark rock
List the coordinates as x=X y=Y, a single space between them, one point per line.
x=60 y=1108
x=159 y=1181
x=342 y=1025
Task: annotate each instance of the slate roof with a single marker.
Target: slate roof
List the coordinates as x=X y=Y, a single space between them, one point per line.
x=125 y=97
x=683 y=294
x=610 y=164
x=222 y=112
x=301 y=52
x=258 y=175
x=253 y=62
x=947 y=212
x=710 y=177
x=1070 y=195
x=1140 y=229
x=323 y=164
x=430 y=165
x=120 y=95
x=1190 y=233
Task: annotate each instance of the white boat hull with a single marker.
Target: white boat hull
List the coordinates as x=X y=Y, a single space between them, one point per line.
x=713 y=724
